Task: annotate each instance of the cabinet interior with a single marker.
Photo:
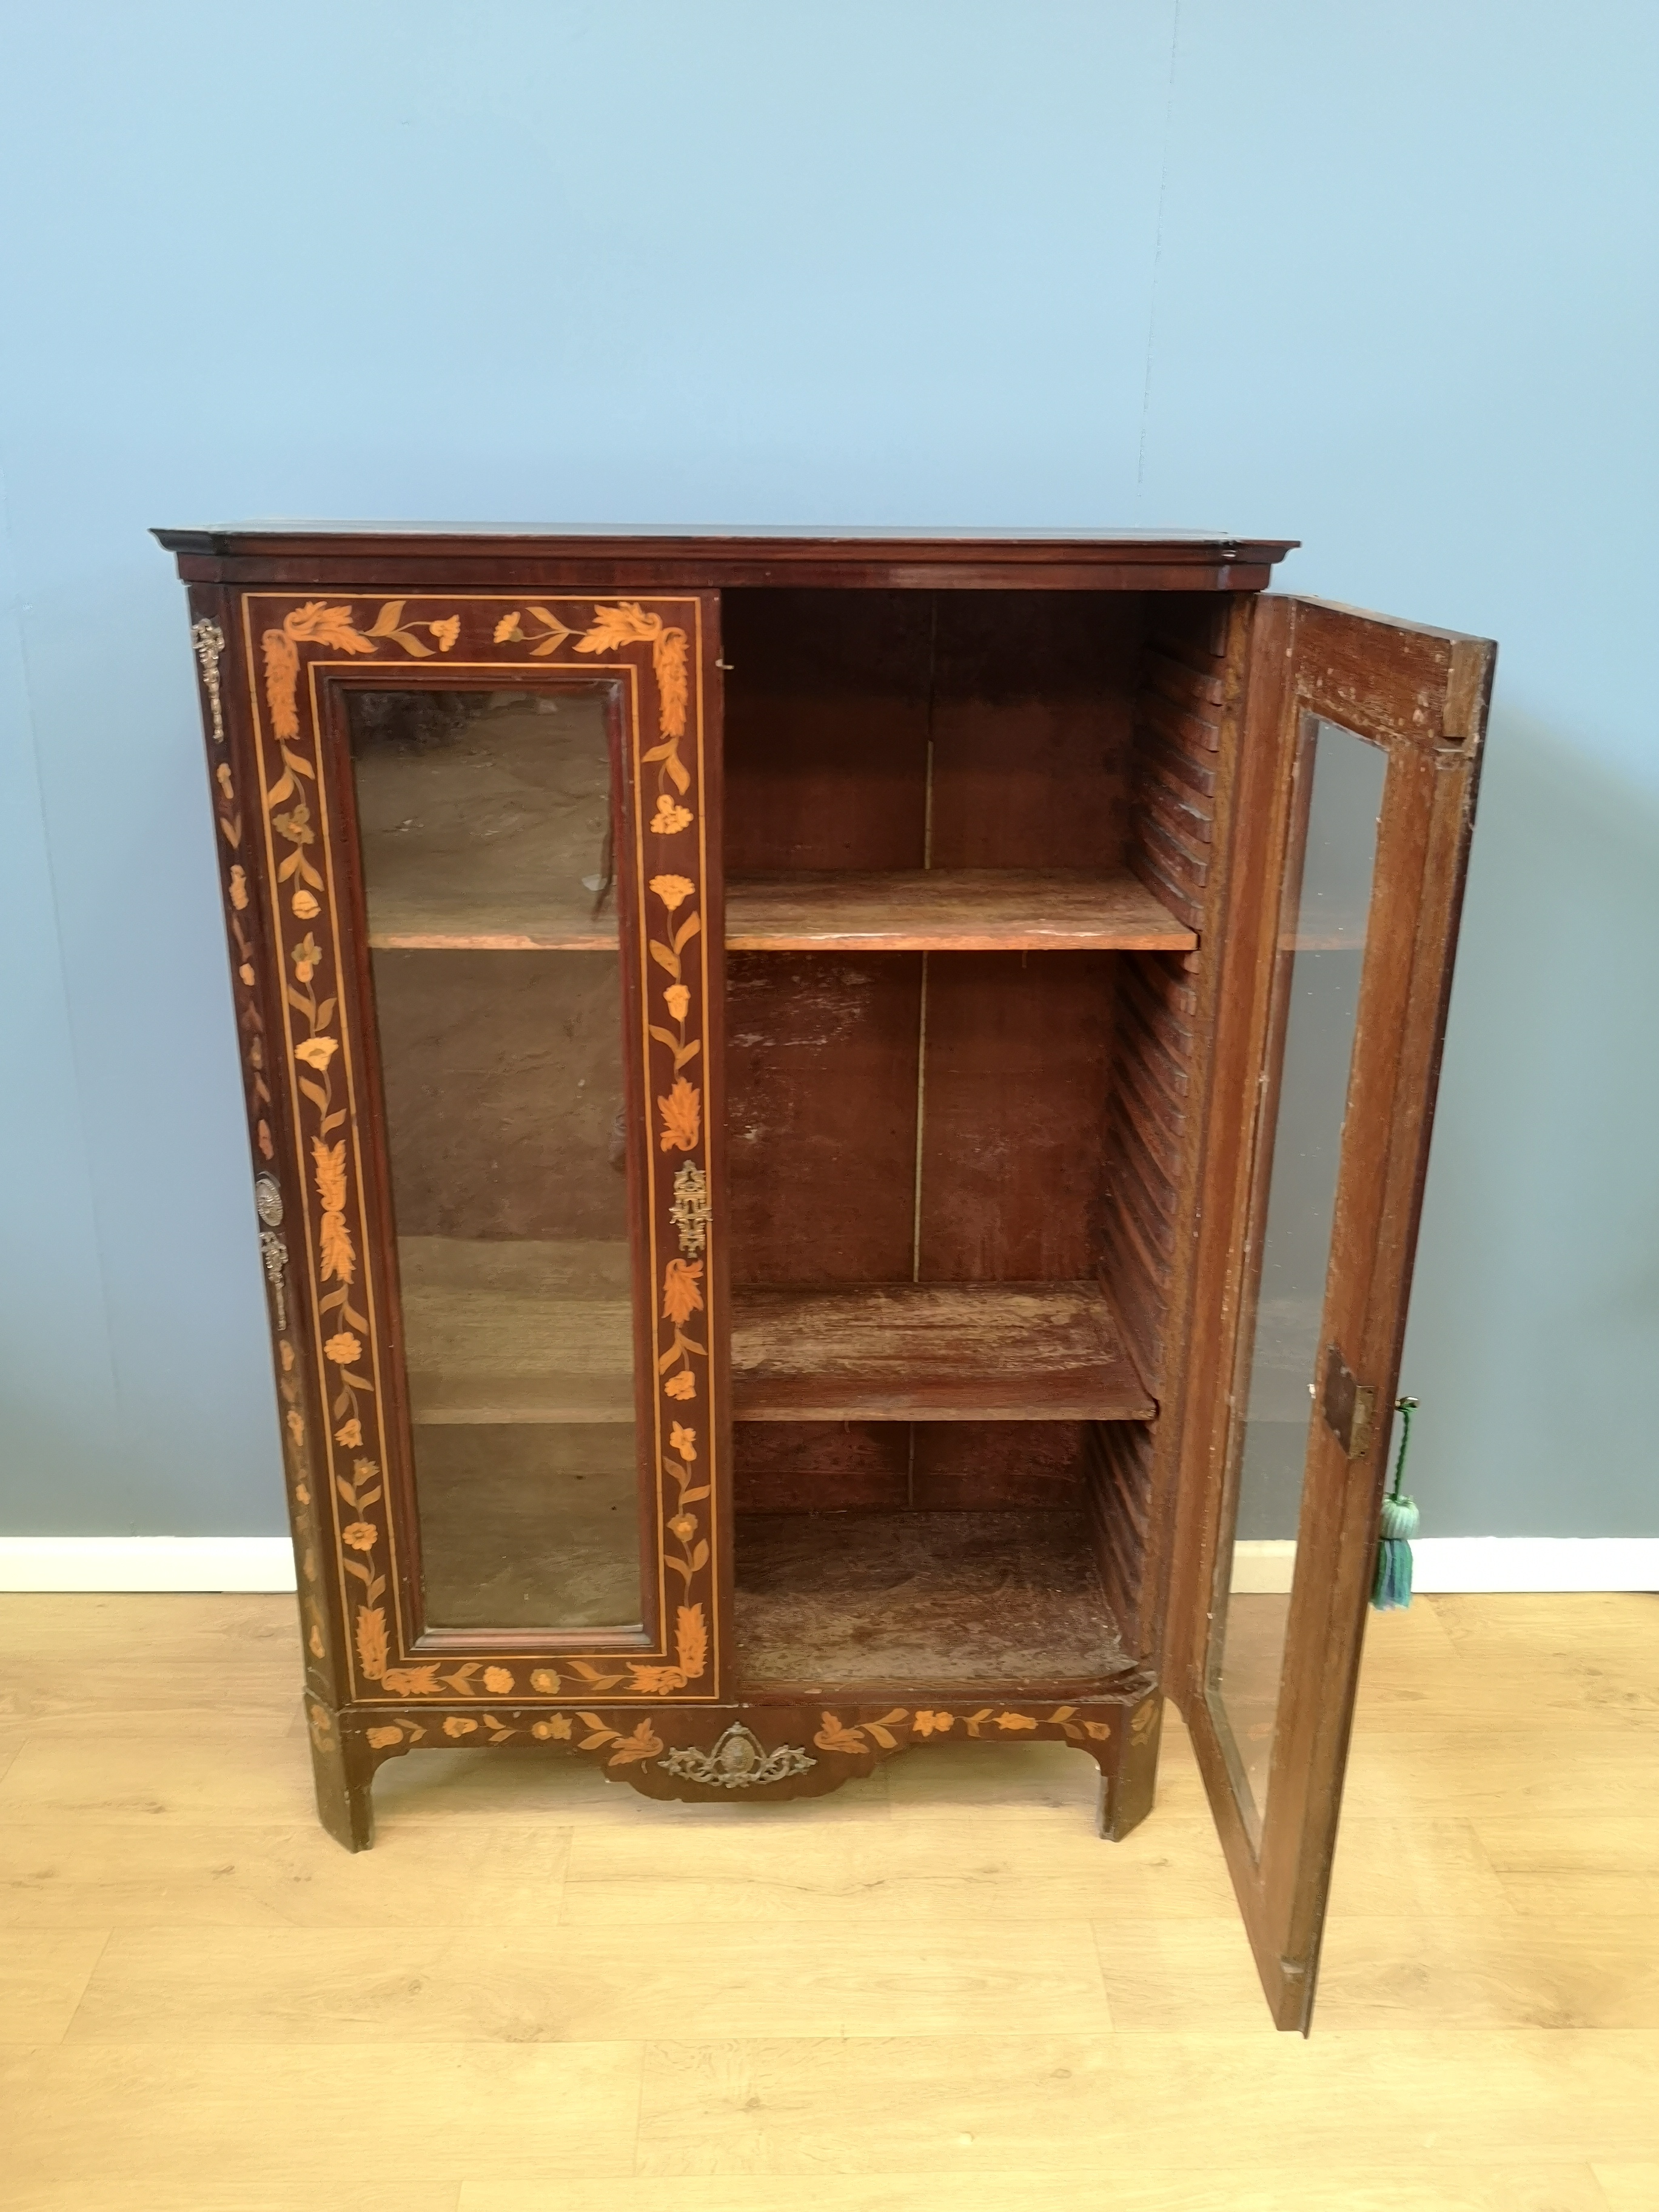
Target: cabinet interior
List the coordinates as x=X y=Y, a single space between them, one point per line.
x=965 y=844
x=966 y=840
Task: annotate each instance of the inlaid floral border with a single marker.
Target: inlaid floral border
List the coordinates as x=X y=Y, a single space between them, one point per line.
x=287 y=640
x=857 y=1733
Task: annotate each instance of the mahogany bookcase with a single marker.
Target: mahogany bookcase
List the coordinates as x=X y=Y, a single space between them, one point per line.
x=838 y=1124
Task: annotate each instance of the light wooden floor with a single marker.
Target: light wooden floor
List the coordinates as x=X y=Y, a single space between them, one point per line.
x=937 y=1989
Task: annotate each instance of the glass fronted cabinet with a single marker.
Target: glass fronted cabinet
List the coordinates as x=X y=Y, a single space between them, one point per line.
x=837 y=1127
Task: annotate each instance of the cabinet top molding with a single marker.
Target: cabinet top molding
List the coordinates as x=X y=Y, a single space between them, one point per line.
x=368 y=554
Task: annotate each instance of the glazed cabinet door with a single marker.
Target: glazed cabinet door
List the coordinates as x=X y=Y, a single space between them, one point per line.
x=1356 y=791
x=471 y=876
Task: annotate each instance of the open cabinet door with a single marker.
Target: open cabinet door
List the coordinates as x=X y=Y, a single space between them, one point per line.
x=1356 y=774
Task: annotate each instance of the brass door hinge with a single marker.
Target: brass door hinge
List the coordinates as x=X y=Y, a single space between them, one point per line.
x=1349 y=1406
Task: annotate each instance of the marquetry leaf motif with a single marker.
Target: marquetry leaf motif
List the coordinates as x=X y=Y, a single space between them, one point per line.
x=691 y=1641
x=681 y=1298
x=413 y=1681
x=643 y=1742
x=882 y=1730
x=681 y=1115
x=371 y=1641
x=832 y=1736
x=314 y=623
x=629 y=624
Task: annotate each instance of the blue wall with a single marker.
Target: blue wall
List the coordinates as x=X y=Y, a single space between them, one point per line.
x=1382 y=278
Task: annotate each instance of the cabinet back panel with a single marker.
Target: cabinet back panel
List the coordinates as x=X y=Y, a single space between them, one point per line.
x=970 y=1465
x=821 y=1116
x=834 y=699
x=1031 y=725
x=826 y=729
x=814 y=1467
x=1017 y=1067
x=810 y=1466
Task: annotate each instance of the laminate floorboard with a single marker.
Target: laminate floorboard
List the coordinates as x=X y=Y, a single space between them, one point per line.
x=936 y=1988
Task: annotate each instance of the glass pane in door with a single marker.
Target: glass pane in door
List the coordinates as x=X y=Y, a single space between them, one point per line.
x=1336 y=801
x=485 y=826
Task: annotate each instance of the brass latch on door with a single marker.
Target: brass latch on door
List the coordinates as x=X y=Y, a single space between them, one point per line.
x=1349 y=1406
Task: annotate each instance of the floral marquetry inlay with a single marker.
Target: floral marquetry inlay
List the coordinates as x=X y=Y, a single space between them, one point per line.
x=296 y=901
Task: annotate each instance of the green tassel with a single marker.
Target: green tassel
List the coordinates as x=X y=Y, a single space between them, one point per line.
x=1391 y=1586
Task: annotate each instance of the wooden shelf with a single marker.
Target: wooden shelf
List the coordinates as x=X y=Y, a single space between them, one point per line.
x=536 y=1332
x=437 y=907
x=950 y=910
x=926 y=1351
x=951 y=1601
x=509 y=1332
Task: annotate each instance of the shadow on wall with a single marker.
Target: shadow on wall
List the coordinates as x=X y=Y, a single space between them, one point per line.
x=1536 y=1307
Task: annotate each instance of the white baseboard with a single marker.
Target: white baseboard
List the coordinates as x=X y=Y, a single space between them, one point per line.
x=1473 y=1564
x=146 y=1563
x=266 y=1563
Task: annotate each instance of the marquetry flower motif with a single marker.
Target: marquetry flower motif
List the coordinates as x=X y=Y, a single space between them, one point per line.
x=286 y=1351
x=262 y=1137
x=307 y=957
x=1011 y=1720
x=360 y=1534
x=239 y=888
x=682 y=1528
x=305 y=905
x=349 y=1433
x=682 y=1385
x=382 y=1739
x=684 y=1441
x=446 y=631
x=296 y=1427
x=221 y=777
x=343 y=1349
x=925 y=1724
x=546 y=1680
x=673 y=890
x=555 y=1729
x=317 y=1051
x=682 y=1114
x=499 y=1682
x=677 y=1000
x=681 y=1298
x=245 y=974
x=671 y=818
x=295 y=824
x=455 y=1726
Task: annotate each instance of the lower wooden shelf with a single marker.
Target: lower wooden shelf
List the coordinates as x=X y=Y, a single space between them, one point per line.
x=933 y=1351
x=830 y=1602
